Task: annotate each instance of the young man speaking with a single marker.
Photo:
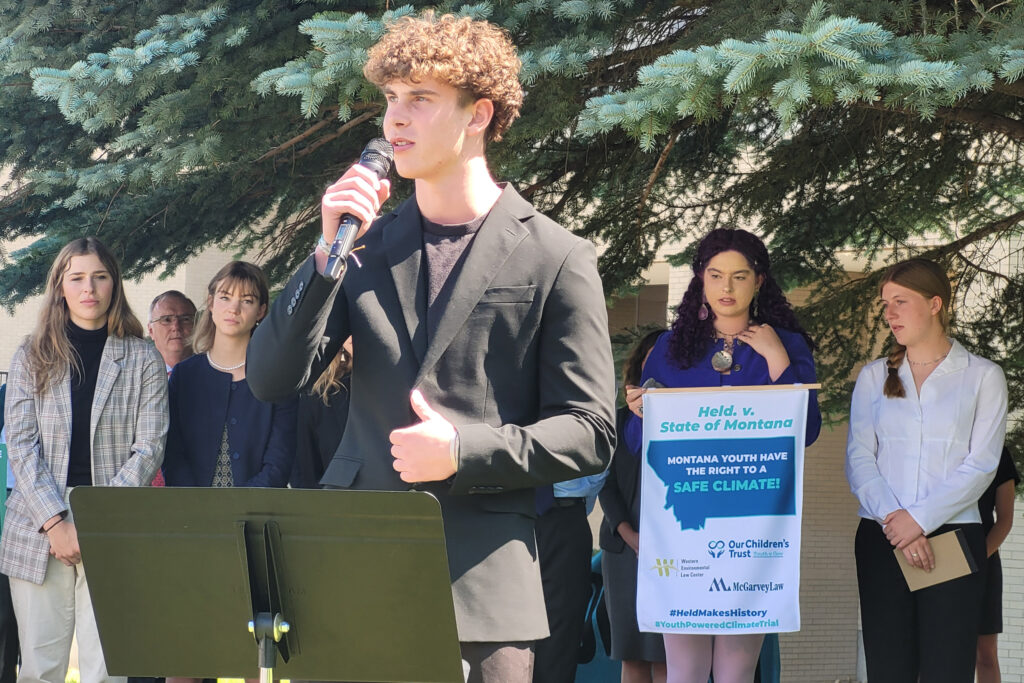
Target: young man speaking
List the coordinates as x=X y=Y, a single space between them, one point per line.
x=483 y=366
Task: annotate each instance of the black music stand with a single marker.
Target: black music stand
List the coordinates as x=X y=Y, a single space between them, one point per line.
x=343 y=585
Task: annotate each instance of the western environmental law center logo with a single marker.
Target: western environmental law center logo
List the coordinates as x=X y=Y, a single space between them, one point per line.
x=716 y=548
x=665 y=567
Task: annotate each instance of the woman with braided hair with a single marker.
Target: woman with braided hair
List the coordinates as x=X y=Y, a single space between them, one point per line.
x=733 y=327
x=926 y=430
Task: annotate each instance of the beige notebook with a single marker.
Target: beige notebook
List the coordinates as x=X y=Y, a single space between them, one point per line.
x=953 y=559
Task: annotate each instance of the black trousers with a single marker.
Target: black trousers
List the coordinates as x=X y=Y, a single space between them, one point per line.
x=564 y=547
x=930 y=635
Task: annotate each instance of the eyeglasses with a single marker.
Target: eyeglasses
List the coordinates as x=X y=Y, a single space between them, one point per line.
x=183 y=320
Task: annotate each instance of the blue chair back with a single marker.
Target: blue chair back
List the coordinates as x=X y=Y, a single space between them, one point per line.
x=595 y=665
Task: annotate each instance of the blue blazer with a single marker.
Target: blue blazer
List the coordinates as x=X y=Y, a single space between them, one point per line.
x=261 y=435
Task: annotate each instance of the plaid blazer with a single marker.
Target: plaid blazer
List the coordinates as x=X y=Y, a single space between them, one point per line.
x=128 y=427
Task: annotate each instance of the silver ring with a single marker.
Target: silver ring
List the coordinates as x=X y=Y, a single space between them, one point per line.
x=914 y=555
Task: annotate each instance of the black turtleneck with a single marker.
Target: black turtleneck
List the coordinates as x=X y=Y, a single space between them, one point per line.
x=88 y=344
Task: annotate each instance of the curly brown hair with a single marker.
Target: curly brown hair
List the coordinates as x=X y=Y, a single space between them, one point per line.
x=475 y=57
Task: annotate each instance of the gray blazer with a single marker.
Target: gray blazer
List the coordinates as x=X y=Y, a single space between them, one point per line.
x=128 y=426
x=519 y=361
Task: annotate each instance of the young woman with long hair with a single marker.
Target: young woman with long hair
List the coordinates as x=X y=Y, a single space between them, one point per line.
x=86 y=405
x=221 y=435
x=734 y=327
x=642 y=654
x=926 y=430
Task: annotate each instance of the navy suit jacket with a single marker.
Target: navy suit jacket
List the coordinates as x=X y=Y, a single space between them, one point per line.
x=261 y=435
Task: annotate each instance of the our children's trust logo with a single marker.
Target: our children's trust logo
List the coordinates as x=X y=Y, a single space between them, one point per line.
x=716 y=548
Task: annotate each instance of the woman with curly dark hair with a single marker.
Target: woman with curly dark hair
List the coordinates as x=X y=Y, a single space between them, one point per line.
x=733 y=327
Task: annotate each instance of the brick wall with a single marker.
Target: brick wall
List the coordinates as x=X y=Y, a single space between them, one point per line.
x=825 y=648
x=1011 y=642
x=648 y=306
x=678 y=280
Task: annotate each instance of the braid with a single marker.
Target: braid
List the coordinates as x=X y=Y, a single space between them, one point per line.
x=893 y=387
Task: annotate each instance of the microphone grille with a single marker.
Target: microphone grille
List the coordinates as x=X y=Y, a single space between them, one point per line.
x=377 y=156
x=381 y=146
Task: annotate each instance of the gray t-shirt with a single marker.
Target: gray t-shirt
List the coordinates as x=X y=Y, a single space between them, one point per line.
x=444 y=250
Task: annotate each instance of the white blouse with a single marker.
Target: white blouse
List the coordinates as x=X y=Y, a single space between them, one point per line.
x=934 y=454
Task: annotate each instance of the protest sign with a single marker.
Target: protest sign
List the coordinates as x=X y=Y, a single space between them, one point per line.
x=722 y=482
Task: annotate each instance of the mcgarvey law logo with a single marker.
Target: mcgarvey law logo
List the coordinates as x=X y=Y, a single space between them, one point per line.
x=664 y=567
x=719 y=584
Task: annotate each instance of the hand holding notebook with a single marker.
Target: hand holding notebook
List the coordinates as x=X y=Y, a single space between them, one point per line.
x=953 y=559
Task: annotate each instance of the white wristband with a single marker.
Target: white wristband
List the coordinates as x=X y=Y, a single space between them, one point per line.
x=454 y=451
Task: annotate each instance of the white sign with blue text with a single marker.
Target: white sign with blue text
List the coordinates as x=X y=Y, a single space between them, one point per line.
x=722 y=480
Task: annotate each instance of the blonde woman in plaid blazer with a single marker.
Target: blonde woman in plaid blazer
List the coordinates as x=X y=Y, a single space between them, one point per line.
x=125 y=439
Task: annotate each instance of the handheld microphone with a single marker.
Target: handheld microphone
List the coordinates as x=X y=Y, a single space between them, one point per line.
x=377 y=156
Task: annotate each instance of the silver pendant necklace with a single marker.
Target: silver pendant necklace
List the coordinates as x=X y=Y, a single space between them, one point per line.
x=221 y=367
x=722 y=360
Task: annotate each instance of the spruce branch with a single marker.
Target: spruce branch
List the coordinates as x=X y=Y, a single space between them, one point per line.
x=985 y=120
x=988 y=230
x=110 y=204
x=344 y=128
x=986 y=14
x=987 y=271
x=833 y=59
x=328 y=114
x=656 y=171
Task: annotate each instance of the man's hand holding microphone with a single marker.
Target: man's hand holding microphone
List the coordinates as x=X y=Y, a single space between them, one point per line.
x=428 y=450
x=350 y=205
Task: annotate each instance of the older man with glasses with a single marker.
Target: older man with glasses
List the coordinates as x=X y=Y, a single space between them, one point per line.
x=171 y=317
